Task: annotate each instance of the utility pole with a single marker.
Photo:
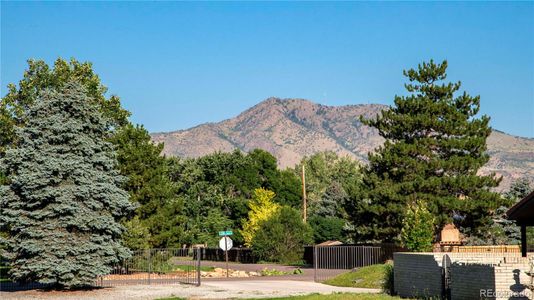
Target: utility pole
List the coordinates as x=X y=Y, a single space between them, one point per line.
x=304 y=204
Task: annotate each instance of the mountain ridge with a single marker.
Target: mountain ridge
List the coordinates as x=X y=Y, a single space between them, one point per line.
x=293 y=128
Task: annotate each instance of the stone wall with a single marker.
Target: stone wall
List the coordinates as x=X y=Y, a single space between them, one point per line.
x=420 y=275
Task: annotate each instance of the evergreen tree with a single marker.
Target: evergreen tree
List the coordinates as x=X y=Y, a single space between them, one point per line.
x=327 y=228
x=435 y=144
x=64 y=202
x=148 y=181
x=39 y=77
x=332 y=201
x=519 y=190
x=136 y=236
x=505 y=231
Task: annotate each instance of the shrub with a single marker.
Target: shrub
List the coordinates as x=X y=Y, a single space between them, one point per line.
x=282 y=237
x=388 y=286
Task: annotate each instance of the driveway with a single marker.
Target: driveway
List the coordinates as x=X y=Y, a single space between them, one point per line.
x=219 y=289
x=307 y=272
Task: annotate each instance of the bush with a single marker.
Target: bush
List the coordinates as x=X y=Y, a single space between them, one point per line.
x=282 y=237
x=388 y=286
x=417 y=232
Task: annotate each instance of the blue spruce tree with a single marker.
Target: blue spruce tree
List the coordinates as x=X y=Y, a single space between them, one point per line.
x=63 y=203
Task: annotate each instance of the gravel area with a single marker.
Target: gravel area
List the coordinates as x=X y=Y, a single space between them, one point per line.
x=208 y=290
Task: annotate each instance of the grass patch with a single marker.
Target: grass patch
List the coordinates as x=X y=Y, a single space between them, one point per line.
x=275 y=272
x=366 y=277
x=337 y=296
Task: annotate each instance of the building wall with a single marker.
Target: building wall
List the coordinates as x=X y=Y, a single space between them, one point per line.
x=420 y=275
x=417 y=274
x=468 y=280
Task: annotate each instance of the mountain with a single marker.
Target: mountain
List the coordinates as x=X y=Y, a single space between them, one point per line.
x=293 y=128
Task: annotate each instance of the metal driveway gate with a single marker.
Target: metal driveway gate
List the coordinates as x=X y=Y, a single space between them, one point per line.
x=156 y=266
x=330 y=261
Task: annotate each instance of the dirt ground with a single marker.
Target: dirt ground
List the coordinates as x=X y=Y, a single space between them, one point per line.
x=211 y=288
x=220 y=289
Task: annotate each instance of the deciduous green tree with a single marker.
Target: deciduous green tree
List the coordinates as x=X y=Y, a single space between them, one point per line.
x=324 y=169
x=417 y=232
x=282 y=237
x=64 y=202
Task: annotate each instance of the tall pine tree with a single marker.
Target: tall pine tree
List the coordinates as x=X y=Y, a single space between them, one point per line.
x=148 y=182
x=64 y=200
x=435 y=144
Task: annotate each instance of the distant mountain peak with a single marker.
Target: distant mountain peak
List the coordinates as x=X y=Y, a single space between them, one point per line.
x=291 y=128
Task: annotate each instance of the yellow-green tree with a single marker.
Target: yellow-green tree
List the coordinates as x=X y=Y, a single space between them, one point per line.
x=417 y=233
x=262 y=207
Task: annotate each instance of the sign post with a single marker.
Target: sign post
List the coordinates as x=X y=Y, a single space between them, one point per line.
x=225 y=243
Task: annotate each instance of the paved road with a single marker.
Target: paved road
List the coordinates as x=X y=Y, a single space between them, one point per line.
x=221 y=289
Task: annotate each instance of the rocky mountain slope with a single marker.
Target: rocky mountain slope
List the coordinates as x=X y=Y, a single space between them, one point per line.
x=293 y=128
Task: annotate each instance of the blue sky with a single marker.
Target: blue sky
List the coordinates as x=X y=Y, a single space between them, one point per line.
x=178 y=64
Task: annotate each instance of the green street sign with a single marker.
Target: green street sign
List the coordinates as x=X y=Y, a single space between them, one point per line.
x=223 y=233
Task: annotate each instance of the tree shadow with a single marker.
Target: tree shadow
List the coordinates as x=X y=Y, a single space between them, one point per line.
x=43 y=287
x=518 y=288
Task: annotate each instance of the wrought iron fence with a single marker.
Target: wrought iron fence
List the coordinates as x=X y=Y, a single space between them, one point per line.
x=330 y=261
x=156 y=266
x=387 y=250
x=150 y=266
x=241 y=255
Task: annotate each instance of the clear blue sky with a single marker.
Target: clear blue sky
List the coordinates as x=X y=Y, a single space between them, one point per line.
x=176 y=64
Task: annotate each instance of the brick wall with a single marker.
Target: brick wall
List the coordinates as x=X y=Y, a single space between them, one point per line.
x=419 y=274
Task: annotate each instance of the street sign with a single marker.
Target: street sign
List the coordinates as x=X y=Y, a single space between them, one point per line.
x=223 y=233
x=226 y=243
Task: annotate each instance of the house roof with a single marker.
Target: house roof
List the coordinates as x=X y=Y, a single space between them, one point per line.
x=523 y=211
x=330 y=243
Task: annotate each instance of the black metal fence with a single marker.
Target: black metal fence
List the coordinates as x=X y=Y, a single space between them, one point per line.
x=150 y=266
x=156 y=266
x=6 y=285
x=241 y=255
x=329 y=261
x=386 y=251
